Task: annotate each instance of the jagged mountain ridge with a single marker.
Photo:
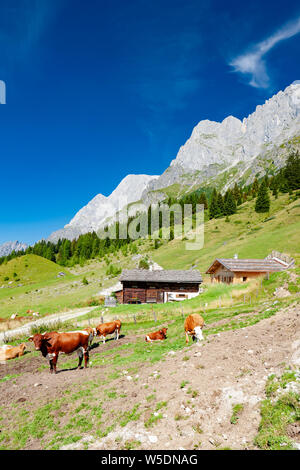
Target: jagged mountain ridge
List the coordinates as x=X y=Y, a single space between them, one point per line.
x=8 y=247
x=92 y=217
x=215 y=146
x=213 y=149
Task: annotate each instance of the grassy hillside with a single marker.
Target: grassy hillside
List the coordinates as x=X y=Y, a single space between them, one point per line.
x=44 y=292
x=248 y=234
x=28 y=269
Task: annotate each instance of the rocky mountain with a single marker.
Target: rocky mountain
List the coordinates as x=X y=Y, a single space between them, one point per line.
x=215 y=147
x=8 y=247
x=217 y=153
x=93 y=216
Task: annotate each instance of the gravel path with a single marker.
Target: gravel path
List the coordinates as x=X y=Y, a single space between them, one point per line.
x=49 y=320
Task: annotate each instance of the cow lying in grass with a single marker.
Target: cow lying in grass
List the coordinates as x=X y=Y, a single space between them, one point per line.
x=157 y=336
x=193 y=325
x=51 y=344
x=108 y=329
x=11 y=352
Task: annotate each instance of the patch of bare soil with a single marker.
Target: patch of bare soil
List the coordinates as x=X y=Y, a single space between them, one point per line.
x=224 y=370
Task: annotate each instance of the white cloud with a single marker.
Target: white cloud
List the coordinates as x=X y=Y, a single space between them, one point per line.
x=253 y=62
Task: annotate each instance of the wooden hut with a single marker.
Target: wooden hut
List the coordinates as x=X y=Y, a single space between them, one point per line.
x=143 y=286
x=234 y=270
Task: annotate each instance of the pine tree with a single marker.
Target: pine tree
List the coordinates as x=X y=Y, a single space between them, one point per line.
x=220 y=207
x=275 y=192
x=255 y=187
x=203 y=200
x=230 y=204
x=292 y=171
x=263 y=199
x=213 y=207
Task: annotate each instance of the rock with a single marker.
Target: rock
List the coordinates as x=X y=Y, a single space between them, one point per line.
x=152 y=439
x=37 y=385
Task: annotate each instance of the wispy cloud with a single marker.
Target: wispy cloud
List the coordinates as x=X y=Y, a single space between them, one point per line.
x=253 y=63
x=22 y=27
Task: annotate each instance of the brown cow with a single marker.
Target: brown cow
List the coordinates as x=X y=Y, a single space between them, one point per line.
x=193 y=325
x=108 y=329
x=92 y=332
x=11 y=352
x=158 y=335
x=51 y=344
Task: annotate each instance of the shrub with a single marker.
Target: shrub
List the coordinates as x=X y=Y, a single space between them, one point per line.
x=143 y=264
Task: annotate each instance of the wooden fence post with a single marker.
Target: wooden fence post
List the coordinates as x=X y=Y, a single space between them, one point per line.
x=134 y=317
x=155 y=319
x=244 y=298
x=102 y=320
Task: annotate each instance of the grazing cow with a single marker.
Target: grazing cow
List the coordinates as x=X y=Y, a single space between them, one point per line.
x=108 y=329
x=193 y=325
x=158 y=335
x=92 y=332
x=11 y=352
x=51 y=344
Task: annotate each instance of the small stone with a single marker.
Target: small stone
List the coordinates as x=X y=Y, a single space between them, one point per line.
x=153 y=439
x=37 y=385
x=129 y=377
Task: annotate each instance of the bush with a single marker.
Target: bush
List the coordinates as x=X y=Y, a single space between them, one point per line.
x=95 y=302
x=143 y=264
x=113 y=270
x=85 y=281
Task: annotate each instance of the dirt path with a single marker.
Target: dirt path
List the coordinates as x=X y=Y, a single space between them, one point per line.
x=226 y=369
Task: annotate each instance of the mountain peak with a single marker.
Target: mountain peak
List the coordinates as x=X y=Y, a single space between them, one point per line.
x=94 y=215
x=8 y=247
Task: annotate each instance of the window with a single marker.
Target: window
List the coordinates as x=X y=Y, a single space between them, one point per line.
x=244 y=279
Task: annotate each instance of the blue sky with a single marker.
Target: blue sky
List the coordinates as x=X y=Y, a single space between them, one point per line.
x=99 y=89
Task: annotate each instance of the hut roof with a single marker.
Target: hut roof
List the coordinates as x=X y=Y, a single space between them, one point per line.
x=251 y=265
x=143 y=275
